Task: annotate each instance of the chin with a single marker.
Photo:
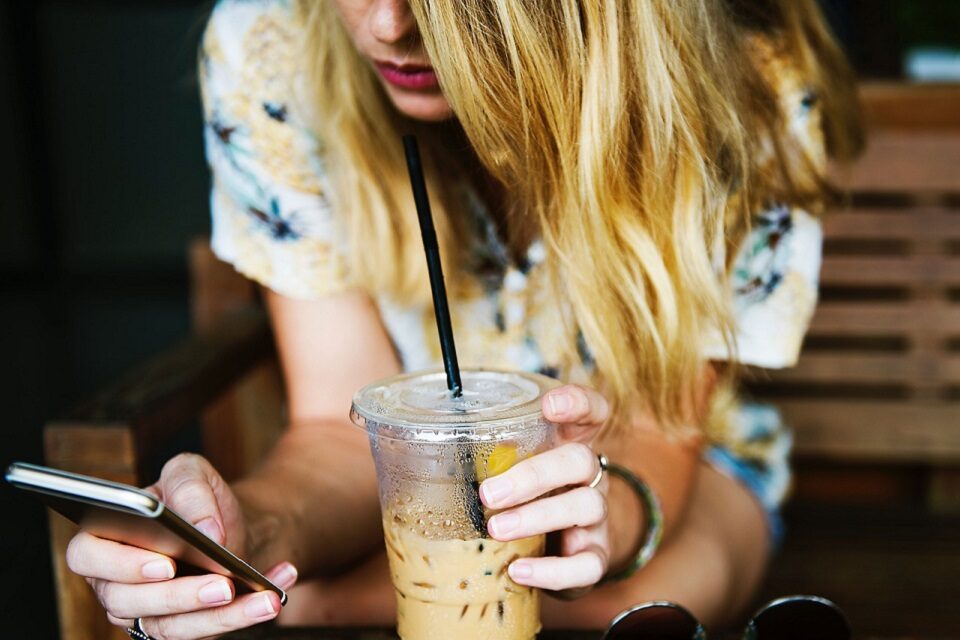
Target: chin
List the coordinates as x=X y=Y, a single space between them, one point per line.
x=429 y=107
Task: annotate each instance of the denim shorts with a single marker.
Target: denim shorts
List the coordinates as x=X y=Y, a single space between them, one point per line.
x=761 y=463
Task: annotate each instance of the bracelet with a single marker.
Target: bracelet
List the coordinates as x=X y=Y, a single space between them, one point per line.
x=650 y=541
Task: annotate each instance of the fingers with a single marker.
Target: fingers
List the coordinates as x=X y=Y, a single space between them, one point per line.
x=569 y=464
x=579 y=570
x=573 y=404
x=172 y=605
x=243 y=612
x=128 y=601
x=93 y=557
x=580 y=507
x=186 y=486
x=284 y=575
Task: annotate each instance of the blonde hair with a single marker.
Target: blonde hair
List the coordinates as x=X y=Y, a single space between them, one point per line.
x=621 y=131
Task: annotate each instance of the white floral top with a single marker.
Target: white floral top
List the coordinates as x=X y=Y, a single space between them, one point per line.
x=273 y=223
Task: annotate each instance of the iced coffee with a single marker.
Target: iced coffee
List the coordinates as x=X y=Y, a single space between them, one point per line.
x=432 y=452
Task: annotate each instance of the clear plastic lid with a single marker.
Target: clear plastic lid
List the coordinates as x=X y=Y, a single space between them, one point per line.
x=418 y=406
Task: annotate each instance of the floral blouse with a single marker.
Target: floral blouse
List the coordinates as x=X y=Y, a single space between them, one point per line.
x=272 y=221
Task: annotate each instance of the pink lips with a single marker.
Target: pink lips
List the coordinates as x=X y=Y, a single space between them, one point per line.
x=407 y=76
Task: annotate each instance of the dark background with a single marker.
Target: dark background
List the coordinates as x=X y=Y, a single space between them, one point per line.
x=103 y=182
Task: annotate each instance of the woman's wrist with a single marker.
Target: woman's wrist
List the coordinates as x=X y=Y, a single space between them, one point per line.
x=648 y=543
x=267 y=539
x=627 y=521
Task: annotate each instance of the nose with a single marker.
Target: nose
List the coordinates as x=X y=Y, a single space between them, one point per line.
x=391 y=21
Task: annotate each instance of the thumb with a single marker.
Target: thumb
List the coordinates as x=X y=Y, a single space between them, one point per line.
x=186 y=485
x=578 y=412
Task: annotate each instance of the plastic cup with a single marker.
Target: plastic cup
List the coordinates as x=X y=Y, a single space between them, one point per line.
x=432 y=451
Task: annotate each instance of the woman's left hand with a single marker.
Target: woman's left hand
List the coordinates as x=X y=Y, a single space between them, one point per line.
x=529 y=508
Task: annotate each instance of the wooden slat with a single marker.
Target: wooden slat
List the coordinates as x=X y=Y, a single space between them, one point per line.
x=915 y=161
x=856 y=482
x=884 y=319
x=244 y=422
x=216 y=289
x=877 y=368
x=901 y=271
x=106 y=450
x=241 y=426
x=929 y=223
x=897 y=105
x=875 y=429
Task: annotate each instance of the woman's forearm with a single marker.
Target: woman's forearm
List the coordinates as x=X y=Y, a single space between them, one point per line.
x=314 y=500
x=711 y=564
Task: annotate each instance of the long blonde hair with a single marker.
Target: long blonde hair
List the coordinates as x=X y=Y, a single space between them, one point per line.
x=622 y=132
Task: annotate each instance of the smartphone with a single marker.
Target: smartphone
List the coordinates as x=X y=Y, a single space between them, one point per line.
x=133 y=516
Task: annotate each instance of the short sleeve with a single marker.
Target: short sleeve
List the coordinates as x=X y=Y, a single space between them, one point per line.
x=270 y=218
x=775 y=279
x=775 y=275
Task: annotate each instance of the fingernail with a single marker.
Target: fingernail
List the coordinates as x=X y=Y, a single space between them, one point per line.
x=259 y=606
x=210 y=528
x=504 y=524
x=215 y=592
x=286 y=576
x=496 y=490
x=157 y=570
x=560 y=403
x=520 y=570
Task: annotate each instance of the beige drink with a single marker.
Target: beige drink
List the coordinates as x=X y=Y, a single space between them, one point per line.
x=452 y=588
x=432 y=451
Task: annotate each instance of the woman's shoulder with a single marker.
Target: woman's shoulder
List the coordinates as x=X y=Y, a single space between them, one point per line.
x=233 y=20
x=252 y=79
x=258 y=33
x=271 y=219
x=254 y=45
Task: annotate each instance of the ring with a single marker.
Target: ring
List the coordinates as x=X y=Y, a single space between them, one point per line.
x=578 y=592
x=602 y=459
x=137 y=632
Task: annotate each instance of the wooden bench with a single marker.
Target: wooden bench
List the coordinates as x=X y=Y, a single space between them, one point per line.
x=879 y=377
x=873 y=399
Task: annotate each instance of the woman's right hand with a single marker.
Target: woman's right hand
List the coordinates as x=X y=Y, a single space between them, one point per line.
x=135 y=583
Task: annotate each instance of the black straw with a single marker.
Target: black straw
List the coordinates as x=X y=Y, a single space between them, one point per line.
x=467 y=468
x=429 y=234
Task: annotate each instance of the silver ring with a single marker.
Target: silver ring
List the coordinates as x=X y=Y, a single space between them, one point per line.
x=602 y=459
x=137 y=632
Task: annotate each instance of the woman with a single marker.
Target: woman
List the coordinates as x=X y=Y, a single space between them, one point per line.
x=625 y=193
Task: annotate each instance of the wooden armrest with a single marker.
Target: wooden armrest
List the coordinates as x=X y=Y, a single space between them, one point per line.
x=115 y=432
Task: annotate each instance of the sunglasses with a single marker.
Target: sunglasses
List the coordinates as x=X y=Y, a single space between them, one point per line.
x=789 y=618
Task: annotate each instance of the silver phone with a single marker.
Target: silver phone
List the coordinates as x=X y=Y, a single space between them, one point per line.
x=133 y=516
